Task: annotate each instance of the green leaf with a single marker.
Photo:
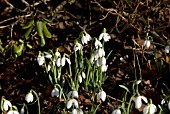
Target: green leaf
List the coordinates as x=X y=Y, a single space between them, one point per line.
x=28 y=33
x=124 y=87
x=29 y=24
x=39 y=26
x=46 y=31
x=20 y=49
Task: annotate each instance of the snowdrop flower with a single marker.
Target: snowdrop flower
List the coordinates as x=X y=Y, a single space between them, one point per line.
x=12 y=112
x=169 y=105
x=55 y=92
x=72 y=102
x=6 y=104
x=77 y=46
x=162 y=102
x=58 y=62
x=48 y=68
x=167 y=48
x=138 y=82
x=83 y=75
x=48 y=55
x=68 y=61
x=22 y=111
x=40 y=60
x=138 y=101
x=88 y=37
x=117 y=111
x=84 y=40
x=80 y=79
x=147 y=43
x=98 y=44
x=63 y=61
x=77 y=111
x=101 y=95
x=57 y=54
x=104 y=68
x=73 y=94
x=101 y=52
x=105 y=36
x=151 y=109
x=29 y=97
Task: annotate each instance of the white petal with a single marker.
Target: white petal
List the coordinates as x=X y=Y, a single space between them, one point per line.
x=103 y=96
x=98 y=44
x=117 y=111
x=57 y=54
x=75 y=103
x=68 y=61
x=147 y=43
x=55 y=92
x=63 y=61
x=169 y=105
x=58 y=62
x=74 y=111
x=138 y=82
x=75 y=94
x=13 y=112
x=70 y=93
x=153 y=109
x=145 y=110
x=40 y=60
x=48 y=67
x=167 y=48
x=104 y=68
x=29 y=97
x=144 y=99
x=98 y=96
x=80 y=79
x=163 y=102
x=84 y=40
x=101 y=36
x=6 y=105
x=138 y=102
x=103 y=60
x=88 y=37
x=69 y=103
x=106 y=37
x=48 y=56
x=22 y=111
x=83 y=75
x=101 y=52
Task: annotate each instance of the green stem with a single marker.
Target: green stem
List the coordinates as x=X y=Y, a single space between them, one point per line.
x=38 y=101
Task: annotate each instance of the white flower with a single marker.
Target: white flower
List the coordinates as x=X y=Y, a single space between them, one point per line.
x=80 y=79
x=169 y=105
x=6 y=104
x=12 y=112
x=55 y=92
x=162 y=102
x=98 y=44
x=77 y=46
x=68 y=61
x=29 y=97
x=58 y=62
x=84 y=40
x=138 y=101
x=104 y=68
x=101 y=95
x=77 y=111
x=83 y=75
x=48 y=68
x=167 y=48
x=72 y=102
x=138 y=82
x=22 y=111
x=88 y=37
x=117 y=111
x=147 y=43
x=57 y=54
x=48 y=55
x=101 y=52
x=151 y=109
x=105 y=36
x=40 y=60
x=73 y=94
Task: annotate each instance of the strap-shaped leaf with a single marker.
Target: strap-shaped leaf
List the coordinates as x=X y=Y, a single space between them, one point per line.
x=124 y=87
x=29 y=24
x=28 y=33
x=39 y=26
x=46 y=31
